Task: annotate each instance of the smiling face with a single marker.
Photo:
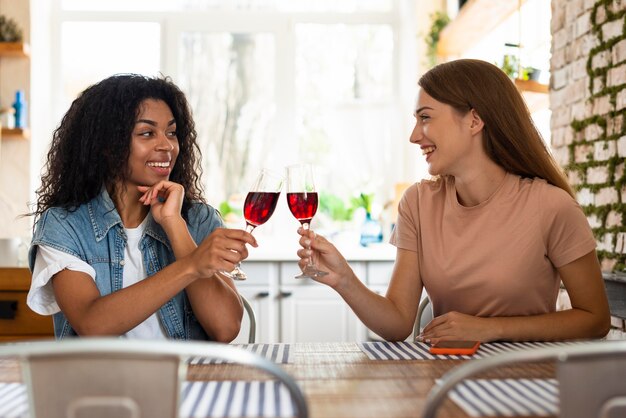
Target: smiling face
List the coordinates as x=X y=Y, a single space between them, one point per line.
x=154 y=145
x=444 y=135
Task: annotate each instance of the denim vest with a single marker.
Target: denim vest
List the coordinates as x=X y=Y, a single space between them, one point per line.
x=95 y=234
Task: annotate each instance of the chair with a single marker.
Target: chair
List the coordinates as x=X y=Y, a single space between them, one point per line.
x=106 y=377
x=591 y=377
x=422 y=315
x=252 y=319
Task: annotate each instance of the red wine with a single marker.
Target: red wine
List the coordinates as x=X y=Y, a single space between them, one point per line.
x=302 y=205
x=259 y=206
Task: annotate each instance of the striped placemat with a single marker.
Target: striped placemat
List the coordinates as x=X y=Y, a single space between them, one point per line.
x=236 y=399
x=199 y=399
x=382 y=350
x=13 y=400
x=507 y=397
x=278 y=353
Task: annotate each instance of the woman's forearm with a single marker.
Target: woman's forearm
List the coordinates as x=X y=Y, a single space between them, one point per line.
x=556 y=326
x=214 y=300
x=379 y=313
x=91 y=314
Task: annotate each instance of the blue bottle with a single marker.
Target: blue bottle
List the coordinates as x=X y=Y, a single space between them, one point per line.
x=20 y=109
x=371 y=231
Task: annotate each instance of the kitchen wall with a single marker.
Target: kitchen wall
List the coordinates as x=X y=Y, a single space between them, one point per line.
x=588 y=101
x=15 y=153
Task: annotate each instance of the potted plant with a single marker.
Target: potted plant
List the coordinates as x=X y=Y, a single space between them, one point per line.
x=439 y=21
x=9 y=30
x=510 y=65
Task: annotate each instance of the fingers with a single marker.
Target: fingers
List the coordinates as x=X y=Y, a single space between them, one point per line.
x=222 y=250
x=309 y=239
x=163 y=189
x=238 y=235
x=230 y=240
x=449 y=326
x=306 y=232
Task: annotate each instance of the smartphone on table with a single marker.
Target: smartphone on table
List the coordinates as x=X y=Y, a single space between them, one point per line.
x=466 y=348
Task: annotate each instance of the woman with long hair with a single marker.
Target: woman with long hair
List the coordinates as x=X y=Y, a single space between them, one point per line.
x=490 y=237
x=124 y=242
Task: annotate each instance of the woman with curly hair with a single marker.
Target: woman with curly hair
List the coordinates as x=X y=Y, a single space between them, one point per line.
x=124 y=243
x=491 y=237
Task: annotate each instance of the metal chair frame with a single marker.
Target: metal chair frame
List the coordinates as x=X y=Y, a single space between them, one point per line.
x=252 y=317
x=417 y=327
x=577 y=364
x=122 y=373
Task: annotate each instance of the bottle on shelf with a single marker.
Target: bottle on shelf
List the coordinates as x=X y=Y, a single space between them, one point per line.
x=371 y=231
x=20 y=109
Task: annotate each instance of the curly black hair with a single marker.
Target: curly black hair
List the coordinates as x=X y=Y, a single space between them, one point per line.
x=91 y=146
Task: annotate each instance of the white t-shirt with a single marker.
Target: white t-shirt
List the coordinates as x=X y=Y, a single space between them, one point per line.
x=50 y=261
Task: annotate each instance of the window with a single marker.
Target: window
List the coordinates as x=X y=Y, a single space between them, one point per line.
x=229 y=80
x=91 y=51
x=270 y=82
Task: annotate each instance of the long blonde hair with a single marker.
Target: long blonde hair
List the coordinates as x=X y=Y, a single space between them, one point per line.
x=510 y=137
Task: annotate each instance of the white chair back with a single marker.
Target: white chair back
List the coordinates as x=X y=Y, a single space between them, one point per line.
x=116 y=377
x=591 y=377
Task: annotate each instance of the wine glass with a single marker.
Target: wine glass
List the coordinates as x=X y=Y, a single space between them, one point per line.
x=258 y=207
x=302 y=201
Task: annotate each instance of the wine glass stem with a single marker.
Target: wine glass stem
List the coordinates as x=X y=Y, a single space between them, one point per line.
x=237 y=271
x=306 y=227
x=249 y=228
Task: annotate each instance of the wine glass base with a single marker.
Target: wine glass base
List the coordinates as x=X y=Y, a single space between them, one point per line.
x=241 y=276
x=311 y=273
x=236 y=274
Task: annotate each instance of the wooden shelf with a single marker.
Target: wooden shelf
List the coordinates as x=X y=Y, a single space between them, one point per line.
x=475 y=19
x=535 y=94
x=15 y=133
x=14 y=49
x=531 y=86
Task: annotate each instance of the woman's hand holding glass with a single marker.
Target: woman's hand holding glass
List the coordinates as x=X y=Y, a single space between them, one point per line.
x=259 y=207
x=302 y=201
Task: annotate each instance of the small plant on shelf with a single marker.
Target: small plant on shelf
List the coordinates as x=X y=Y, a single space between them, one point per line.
x=510 y=65
x=439 y=21
x=9 y=30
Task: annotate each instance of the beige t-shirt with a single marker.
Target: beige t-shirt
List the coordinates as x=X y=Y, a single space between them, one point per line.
x=498 y=258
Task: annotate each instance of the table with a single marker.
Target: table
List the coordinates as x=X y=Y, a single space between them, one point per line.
x=339 y=380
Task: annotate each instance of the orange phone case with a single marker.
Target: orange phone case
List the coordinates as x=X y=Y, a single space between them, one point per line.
x=455 y=347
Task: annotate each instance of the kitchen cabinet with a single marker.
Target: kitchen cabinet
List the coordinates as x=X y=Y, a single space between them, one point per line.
x=17 y=320
x=293 y=310
x=313 y=312
x=261 y=290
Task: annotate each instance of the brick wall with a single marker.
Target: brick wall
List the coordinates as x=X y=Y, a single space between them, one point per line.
x=588 y=101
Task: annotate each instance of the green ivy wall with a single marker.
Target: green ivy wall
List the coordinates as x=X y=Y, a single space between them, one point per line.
x=588 y=101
